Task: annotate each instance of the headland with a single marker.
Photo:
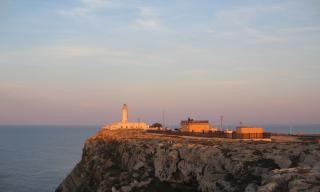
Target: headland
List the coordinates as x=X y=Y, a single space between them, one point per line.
x=126 y=160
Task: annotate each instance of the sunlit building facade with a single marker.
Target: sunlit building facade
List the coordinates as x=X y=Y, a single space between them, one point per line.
x=191 y=125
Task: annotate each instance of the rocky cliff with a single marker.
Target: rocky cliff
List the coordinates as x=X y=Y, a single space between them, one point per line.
x=126 y=161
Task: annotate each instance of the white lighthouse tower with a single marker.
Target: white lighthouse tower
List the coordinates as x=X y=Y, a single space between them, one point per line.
x=125 y=114
x=125 y=124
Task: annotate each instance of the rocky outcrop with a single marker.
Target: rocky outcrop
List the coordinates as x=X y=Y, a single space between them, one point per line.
x=131 y=160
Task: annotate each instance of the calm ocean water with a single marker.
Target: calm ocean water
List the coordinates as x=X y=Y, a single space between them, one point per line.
x=295 y=129
x=38 y=158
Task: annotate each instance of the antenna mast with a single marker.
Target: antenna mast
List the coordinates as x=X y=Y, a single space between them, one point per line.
x=163 y=119
x=221 y=122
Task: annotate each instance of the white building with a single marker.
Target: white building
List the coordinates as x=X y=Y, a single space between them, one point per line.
x=125 y=124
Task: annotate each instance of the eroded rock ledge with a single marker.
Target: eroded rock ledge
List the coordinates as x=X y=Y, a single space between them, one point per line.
x=132 y=160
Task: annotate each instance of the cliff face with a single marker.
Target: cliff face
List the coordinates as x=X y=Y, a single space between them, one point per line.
x=135 y=161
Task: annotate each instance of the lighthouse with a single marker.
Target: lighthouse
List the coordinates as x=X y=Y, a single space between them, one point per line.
x=124 y=123
x=125 y=113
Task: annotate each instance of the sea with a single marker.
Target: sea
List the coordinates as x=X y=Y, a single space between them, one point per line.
x=37 y=158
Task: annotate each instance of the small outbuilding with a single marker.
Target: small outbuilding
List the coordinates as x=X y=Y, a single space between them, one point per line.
x=244 y=132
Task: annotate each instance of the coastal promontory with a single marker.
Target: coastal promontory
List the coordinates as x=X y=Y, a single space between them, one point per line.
x=134 y=160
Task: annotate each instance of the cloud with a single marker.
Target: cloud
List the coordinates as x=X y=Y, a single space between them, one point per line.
x=241 y=23
x=245 y=15
x=148 y=24
x=86 y=8
x=68 y=55
x=11 y=87
x=5 y=56
x=233 y=82
x=265 y=37
x=81 y=51
x=297 y=30
x=148 y=20
x=148 y=12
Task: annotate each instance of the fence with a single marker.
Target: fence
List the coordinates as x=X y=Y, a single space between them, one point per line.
x=215 y=134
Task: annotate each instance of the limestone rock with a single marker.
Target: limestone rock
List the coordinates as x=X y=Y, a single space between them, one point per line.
x=131 y=160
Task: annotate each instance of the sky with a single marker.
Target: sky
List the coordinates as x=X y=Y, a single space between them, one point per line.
x=78 y=61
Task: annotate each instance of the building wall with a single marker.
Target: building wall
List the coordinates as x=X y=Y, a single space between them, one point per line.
x=245 y=130
x=129 y=125
x=199 y=127
x=195 y=127
x=184 y=128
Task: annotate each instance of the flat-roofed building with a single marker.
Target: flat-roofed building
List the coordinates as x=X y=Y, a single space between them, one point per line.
x=245 y=132
x=191 y=125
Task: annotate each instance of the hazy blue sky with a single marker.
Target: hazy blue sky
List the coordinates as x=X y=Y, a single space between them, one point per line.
x=78 y=61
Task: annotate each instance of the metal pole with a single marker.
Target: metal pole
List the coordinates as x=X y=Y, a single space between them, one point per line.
x=163 y=119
